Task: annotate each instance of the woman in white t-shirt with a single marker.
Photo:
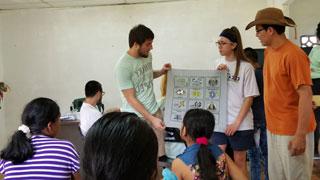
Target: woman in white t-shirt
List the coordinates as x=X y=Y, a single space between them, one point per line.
x=242 y=88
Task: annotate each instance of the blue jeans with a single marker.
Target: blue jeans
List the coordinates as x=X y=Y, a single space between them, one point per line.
x=258 y=155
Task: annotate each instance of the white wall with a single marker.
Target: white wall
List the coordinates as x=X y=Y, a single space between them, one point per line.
x=306 y=14
x=2 y=116
x=54 y=52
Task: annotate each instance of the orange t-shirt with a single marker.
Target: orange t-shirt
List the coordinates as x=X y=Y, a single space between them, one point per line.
x=285 y=69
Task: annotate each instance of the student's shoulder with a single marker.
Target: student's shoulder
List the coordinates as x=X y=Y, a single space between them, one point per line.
x=180 y=169
x=44 y=141
x=176 y=162
x=246 y=66
x=87 y=108
x=61 y=142
x=84 y=106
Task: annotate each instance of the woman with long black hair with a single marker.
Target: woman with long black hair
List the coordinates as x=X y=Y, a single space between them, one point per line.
x=33 y=152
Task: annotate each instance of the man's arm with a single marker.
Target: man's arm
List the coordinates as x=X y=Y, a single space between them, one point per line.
x=130 y=96
x=164 y=70
x=157 y=73
x=298 y=144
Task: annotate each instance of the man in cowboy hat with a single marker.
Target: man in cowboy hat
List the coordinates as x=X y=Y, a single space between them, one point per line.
x=287 y=97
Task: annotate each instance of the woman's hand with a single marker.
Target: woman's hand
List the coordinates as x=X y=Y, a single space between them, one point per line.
x=222 y=67
x=232 y=128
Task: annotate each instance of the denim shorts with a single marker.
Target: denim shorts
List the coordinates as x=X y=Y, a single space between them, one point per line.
x=240 y=141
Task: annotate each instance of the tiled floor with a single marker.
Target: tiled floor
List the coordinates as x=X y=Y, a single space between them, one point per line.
x=315 y=173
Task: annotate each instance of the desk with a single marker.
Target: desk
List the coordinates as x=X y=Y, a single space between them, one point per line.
x=70 y=131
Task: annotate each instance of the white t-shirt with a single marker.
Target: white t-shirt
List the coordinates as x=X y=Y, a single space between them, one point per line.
x=88 y=116
x=244 y=86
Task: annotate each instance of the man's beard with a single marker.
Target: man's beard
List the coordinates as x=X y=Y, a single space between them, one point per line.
x=141 y=54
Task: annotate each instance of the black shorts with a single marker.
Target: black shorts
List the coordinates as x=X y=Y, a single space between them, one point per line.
x=240 y=141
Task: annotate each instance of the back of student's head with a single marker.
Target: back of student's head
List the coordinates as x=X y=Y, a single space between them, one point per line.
x=120 y=146
x=139 y=34
x=35 y=117
x=92 y=87
x=199 y=125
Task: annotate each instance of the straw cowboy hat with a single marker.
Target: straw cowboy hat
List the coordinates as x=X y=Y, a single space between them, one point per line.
x=271 y=16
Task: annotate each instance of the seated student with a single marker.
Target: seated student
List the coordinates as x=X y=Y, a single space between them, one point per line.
x=89 y=112
x=120 y=146
x=202 y=160
x=33 y=152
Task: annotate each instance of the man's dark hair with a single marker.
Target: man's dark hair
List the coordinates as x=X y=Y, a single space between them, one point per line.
x=139 y=34
x=278 y=28
x=92 y=87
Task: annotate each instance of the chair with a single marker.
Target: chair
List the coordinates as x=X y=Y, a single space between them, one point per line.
x=174 y=145
x=77 y=103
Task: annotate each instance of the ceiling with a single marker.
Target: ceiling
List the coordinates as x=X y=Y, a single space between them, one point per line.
x=35 y=4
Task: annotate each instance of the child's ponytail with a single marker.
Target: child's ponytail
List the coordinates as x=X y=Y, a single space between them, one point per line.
x=206 y=161
x=19 y=148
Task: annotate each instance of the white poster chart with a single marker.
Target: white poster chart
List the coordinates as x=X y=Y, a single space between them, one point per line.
x=189 y=89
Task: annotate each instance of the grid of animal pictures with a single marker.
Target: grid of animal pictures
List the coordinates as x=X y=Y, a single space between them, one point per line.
x=193 y=90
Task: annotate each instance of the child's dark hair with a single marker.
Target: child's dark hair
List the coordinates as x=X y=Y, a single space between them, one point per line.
x=139 y=34
x=36 y=116
x=200 y=123
x=234 y=36
x=120 y=146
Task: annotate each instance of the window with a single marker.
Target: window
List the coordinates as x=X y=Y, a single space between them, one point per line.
x=308 y=40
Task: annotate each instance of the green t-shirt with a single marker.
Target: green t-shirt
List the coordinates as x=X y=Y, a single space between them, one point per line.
x=137 y=73
x=314 y=57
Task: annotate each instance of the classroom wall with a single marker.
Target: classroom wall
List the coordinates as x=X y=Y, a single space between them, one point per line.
x=54 y=52
x=306 y=15
x=2 y=117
